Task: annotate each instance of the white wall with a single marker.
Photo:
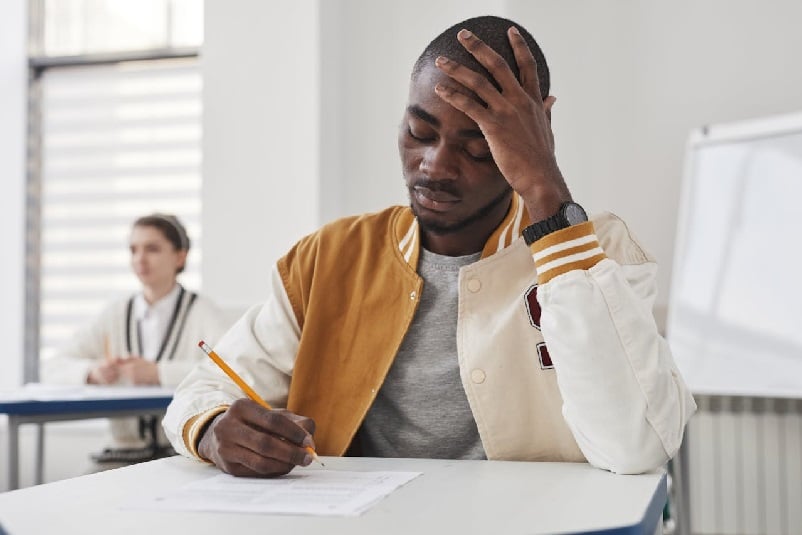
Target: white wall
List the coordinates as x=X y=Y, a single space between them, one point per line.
x=13 y=88
x=261 y=117
x=302 y=102
x=368 y=51
x=631 y=79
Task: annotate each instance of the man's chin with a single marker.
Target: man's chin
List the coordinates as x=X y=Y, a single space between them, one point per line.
x=436 y=225
x=450 y=223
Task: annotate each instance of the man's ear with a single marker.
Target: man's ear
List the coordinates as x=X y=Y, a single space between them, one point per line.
x=548 y=102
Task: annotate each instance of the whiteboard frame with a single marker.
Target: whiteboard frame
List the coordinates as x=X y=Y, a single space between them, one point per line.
x=753 y=129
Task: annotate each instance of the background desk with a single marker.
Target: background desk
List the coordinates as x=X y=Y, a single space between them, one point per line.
x=40 y=404
x=462 y=497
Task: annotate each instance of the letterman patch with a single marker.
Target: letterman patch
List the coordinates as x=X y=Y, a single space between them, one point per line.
x=543 y=355
x=532 y=306
x=533 y=311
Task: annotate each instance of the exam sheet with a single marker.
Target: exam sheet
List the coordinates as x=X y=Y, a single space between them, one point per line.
x=310 y=491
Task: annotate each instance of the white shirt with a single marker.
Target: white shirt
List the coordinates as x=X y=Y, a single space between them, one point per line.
x=153 y=321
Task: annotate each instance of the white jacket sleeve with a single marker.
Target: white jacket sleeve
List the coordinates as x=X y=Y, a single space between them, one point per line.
x=261 y=347
x=72 y=363
x=623 y=397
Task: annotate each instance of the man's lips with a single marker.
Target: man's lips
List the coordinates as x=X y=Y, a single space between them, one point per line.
x=437 y=200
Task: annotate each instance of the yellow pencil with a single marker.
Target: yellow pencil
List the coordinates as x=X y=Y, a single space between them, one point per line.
x=245 y=387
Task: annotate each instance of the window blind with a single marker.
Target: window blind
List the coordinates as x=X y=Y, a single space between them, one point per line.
x=118 y=141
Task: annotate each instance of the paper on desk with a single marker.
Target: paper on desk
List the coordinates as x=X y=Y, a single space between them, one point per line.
x=315 y=492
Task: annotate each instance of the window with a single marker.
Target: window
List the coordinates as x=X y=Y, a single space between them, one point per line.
x=115 y=134
x=92 y=27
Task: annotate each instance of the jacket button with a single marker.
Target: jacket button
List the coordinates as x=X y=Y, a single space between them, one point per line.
x=412 y=295
x=474 y=285
x=478 y=376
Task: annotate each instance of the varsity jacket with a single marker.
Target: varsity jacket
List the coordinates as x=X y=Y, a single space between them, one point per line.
x=558 y=350
x=194 y=318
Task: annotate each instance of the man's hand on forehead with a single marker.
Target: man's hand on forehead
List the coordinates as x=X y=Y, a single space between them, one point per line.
x=515 y=121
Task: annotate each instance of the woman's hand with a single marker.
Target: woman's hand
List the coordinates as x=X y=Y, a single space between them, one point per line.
x=138 y=371
x=105 y=373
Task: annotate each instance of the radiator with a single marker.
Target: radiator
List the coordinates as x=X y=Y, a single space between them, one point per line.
x=744 y=471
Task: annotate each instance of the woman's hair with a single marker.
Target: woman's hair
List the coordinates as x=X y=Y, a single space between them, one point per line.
x=170 y=227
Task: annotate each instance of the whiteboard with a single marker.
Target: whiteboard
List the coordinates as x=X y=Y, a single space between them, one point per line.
x=735 y=309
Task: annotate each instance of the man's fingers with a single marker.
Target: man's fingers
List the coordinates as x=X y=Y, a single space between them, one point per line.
x=469 y=79
x=236 y=469
x=490 y=59
x=467 y=105
x=249 y=440
x=527 y=65
x=244 y=466
x=279 y=435
x=308 y=424
x=267 y=454
x=275 y=422
x=259 y=449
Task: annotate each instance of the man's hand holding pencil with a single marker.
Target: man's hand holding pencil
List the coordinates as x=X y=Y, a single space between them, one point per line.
x=251 y=438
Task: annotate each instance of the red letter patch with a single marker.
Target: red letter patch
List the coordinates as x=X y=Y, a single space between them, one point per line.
x=533 y=311
x=543 y=355
x=532 y=306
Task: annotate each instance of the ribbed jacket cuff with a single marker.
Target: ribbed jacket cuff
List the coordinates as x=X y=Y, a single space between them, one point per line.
x=575 y=247
x=191 y=434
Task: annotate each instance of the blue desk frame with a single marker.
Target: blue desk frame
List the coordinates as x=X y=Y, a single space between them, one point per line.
x=41 y=412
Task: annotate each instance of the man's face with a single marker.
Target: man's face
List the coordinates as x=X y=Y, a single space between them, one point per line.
x=453 y=182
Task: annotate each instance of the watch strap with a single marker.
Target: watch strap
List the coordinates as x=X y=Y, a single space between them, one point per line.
x=556 y=222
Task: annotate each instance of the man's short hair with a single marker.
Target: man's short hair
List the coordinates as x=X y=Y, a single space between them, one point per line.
x=493 y=31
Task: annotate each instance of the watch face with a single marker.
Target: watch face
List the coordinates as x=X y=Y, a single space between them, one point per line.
x=574 y=213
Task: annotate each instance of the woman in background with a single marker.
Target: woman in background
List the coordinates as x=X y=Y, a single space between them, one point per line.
x=150 y=338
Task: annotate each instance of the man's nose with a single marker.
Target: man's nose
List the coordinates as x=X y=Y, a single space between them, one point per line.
x=439 y=162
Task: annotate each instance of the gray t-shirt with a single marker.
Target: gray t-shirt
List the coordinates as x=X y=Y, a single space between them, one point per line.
x=421 y=409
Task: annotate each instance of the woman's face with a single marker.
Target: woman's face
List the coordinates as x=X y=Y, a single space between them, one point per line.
x=153 y=258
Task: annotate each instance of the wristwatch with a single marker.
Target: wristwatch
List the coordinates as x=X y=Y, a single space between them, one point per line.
x=570 y=213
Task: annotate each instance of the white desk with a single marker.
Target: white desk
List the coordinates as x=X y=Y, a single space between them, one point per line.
x=464 y=497
x=35 y=403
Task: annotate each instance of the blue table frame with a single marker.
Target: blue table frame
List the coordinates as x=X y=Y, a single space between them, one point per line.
x=42 y=411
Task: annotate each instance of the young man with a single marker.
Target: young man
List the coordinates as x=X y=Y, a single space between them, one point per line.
x=489 y=319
